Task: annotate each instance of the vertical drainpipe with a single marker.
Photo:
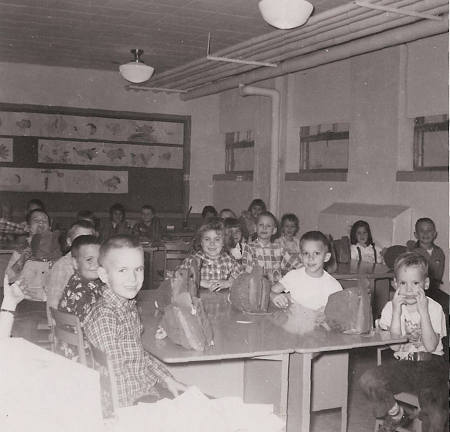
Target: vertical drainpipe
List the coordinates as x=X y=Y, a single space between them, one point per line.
x=274 y=191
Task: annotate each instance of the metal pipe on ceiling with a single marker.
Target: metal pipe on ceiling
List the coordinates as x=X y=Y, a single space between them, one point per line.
x=375 y=42
x=324 y=40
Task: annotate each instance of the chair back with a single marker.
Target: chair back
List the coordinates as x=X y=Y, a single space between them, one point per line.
x=109 y=393
x=67 y=328
x=391 y=254
x=175 y=253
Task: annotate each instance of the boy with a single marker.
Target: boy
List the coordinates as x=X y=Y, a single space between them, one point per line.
x=149 y=228
x=117 y=224
x=419 y=366
x=268 y=255
x=84 y=287
x=310 y=285
x=114 y=325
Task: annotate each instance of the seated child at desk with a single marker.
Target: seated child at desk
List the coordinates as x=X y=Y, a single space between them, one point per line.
x=310 y=285
x=149 y=227
x=289 y=229
x=362 y=246
x=227 y=213
x=208 y=212
x=270 y=256
x=419 y=366
x=114 y=325
x=217 y=268
x=63 y=268
x=117 y=224
x=234 y=240
x=250 y=217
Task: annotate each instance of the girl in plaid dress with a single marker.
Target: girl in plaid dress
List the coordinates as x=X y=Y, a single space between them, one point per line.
x=217 y=268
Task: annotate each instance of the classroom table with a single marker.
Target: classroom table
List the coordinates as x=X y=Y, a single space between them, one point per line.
x=239 y=335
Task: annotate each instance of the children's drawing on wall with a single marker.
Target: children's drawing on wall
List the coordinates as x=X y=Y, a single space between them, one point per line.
x=109 y=154
x=6 y=150
x=62 y=180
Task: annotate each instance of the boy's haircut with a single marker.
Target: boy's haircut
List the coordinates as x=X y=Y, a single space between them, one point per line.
x=424 y=220
x=411 y=259
x=117 y=207
x=38 y=210
x=227 y=210
x=316 y=236
x=208 y=209
x=232 y=223
x=81 y=223
x=291 y=217
x=118 y=242
x=355 y=226
x=257 y=202
x=148 y=207
x=83 y=240
x=271 y=215
x=213 y=224
x=37 y=202
x=85 y=214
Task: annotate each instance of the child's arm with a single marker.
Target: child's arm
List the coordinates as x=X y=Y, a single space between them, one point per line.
x=278 y=296
x=13 y=295
x=430 y=339
x=397 y=301
x=290 y=261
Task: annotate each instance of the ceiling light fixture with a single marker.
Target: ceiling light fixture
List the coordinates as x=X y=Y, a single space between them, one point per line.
x=285 y=14
x=136 y=71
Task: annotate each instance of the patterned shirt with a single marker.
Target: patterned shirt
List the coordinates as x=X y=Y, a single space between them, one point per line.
x=214 y=269
x=80 y=295
x=114 y=326
x=274 y=261
x=9 y=227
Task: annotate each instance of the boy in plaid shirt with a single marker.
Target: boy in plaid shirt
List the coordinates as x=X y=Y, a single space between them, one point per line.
x=273 y=259
x=114 y=325
x=217 y=268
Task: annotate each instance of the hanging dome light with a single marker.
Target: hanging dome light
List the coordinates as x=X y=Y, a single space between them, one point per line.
x=285 y=14
x=136 y=71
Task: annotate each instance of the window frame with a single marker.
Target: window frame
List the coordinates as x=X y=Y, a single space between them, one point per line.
x=237 y=143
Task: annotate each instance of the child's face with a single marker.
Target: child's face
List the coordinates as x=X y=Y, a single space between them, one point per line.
x=409 y=281
x=236 y=233
x=256 y=210
x=79 y=231
x=362 y=235
x=426 y=233
x=39 y=223
x=265 y=228
x=87 y=261
x=117 y=216
x=227 y=214
x=314 y=255
x=289 y=228
x=212 y=243
x=123 y=271
x=146 y=215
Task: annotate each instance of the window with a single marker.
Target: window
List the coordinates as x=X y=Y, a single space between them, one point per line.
x=324 y=147
x=239 y=152
x=431 y=143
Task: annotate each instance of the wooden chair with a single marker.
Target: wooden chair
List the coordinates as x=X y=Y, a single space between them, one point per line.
x=109 y=393
x=175 y=253
x=67 y=328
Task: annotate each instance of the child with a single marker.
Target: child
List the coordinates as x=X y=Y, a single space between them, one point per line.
x=420 y=366
x=227 y=213
x=250 y=217
x=63 y=269
x=310 y=285
x=88 y=215
x=149 y=228
x=114 y=325
x=217 y=268
x=84 y=287
x=268 y=255
x=117 y=224
x=234 y=241
x=289 y=229
x=362 y=246
x=208 y=212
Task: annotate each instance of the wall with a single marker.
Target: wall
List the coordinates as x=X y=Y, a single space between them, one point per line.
x=82 y=88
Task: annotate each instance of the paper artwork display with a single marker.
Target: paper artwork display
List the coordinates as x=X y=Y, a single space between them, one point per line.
x=6 y=150
x=109 y=154
x=89 y=128
x=63 y=180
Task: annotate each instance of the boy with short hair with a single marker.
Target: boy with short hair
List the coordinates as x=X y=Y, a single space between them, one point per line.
x=114 y=325
x=419 y=366
x=84 y=287
x=310 y=285
x=149 y=227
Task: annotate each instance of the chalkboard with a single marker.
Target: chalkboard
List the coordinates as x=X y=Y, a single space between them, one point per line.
x=35 y=149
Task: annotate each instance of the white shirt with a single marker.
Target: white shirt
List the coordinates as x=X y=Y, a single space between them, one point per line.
x=367 y=253
x=410 y=326
x=309 y=291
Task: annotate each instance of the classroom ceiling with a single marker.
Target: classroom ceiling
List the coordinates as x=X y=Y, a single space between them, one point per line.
x=98 y=34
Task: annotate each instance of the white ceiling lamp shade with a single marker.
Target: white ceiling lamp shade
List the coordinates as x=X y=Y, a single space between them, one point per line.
x=136 y=71
x=285 y=14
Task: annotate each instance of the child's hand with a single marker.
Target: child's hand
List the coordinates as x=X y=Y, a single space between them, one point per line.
x=397 y=301
x=12 y=294
x=219 y=285
x=422 y=302
x=281 y=301
x=175 y=387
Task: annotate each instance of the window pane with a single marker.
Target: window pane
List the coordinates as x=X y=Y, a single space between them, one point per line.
x=435 y=152
x=243 y=159
x=332 y=154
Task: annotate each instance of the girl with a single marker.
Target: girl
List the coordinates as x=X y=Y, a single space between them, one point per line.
x=249 y=217
x=234 y=241
x=263 y=252
x=217 y=269
x=289 y=229
x=362 y=245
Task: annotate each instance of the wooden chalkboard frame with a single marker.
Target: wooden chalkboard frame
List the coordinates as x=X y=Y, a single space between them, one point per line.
x=89 y=112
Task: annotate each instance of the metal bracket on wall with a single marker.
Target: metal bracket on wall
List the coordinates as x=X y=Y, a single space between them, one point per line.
x=369 y=5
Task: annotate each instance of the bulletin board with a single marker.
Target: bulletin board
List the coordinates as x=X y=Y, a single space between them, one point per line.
x=73 y=158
